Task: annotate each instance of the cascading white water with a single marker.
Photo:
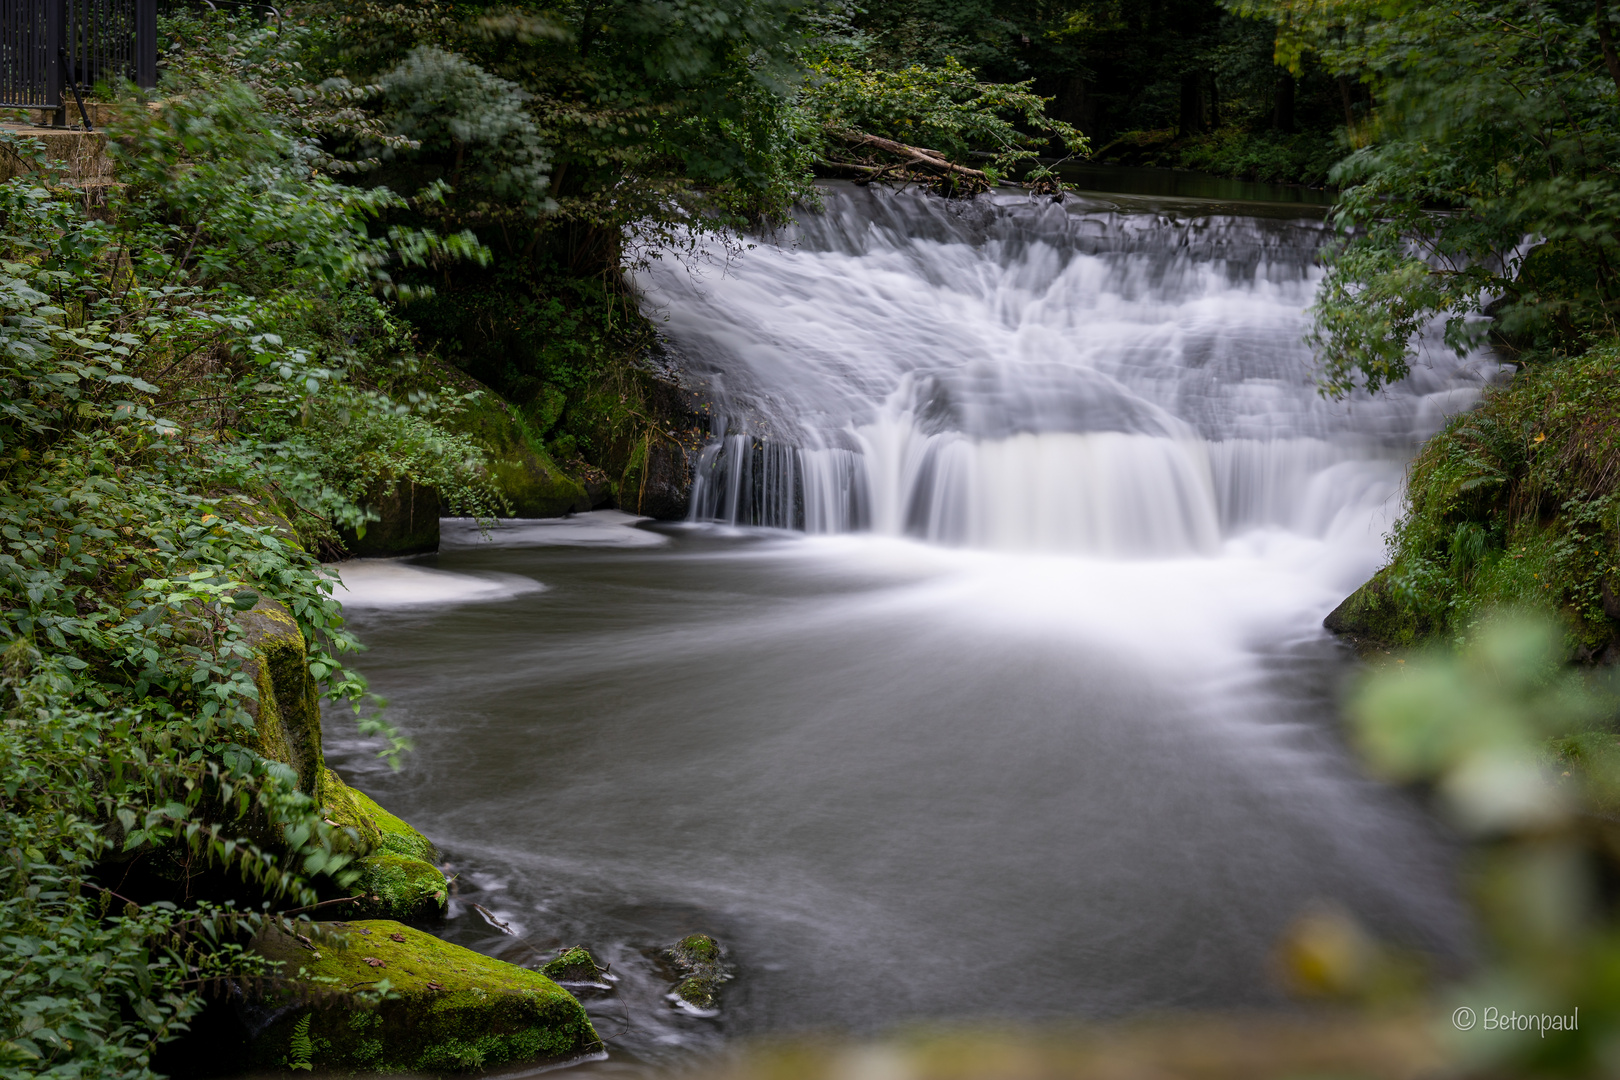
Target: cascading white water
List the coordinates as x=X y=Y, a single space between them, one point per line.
x=1014 y=374
x=1020 y=771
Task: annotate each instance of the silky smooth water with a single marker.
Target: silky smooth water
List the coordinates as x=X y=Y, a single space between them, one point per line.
x=988 y=679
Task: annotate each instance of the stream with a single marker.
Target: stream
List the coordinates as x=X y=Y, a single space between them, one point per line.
x=988 y=680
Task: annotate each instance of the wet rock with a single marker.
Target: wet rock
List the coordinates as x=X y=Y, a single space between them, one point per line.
x=1370 y=621
x=700 y=961
x=408 y=522
x=399 y=878
x=575 y=967
x=449 y=1009
x=287 y=714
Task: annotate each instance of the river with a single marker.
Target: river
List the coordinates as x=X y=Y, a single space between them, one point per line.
x=989 y=679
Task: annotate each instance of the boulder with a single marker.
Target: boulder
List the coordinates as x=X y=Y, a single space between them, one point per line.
x=534 y=485
x=399 y=875
x=1371 y=622
x=700 y=961
x=407 y=522
x=287 y=716
x=446 y=1008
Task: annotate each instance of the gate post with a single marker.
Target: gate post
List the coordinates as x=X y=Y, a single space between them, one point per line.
x=54 y=44
x=146 y=44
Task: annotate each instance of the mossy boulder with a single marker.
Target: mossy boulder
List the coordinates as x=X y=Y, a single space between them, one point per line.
x=448 y=1009
x=534 y=485
x=380 y=830
x=1370 y=620
x=575 y=966
x=287 y=715
x=399 y=877
x=407 y=522
x=700 y=961
x=399 y=887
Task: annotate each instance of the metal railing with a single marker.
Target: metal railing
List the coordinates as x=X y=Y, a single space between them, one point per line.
x=48 y=47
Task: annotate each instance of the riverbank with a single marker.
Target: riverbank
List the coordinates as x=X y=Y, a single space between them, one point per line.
x=1511 y=505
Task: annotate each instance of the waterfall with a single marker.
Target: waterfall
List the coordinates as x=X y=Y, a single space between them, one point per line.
x=1116 y=378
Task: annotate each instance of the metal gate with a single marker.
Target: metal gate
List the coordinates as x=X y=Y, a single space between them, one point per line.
x=47 y=46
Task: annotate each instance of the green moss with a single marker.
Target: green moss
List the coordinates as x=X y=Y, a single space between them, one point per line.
x=449 y=1008
x=574 y=966
x=533 y=484
x=696 y=949
x=287 y=716
x=701 y=963
x=1514 y=504
x=378 y=829
x=400 y=887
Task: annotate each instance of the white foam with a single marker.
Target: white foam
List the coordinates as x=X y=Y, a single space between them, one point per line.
x=599 y=528
x=388 y=583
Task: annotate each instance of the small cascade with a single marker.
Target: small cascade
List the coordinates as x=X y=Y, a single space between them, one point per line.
x=1012 y=374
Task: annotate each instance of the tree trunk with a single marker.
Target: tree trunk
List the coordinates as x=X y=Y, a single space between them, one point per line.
x=1606 y=43
x=1070 y=105
x=1282 y=114
x=1214 y=102
x=1344 y=97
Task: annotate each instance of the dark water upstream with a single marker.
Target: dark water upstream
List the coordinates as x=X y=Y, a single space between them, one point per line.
x=993 y=686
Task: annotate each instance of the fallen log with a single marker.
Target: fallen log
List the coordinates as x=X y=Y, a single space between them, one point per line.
x=919 y=154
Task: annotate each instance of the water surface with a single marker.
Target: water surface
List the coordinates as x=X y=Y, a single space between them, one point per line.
x=989 y=679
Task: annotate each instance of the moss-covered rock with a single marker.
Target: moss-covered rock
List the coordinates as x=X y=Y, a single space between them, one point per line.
x=575 y=965
x=1371 y=621
x=534 y=485
x=379 y=830
x=408 y=522
x=287 y=715
x=399 y=887
x=398 y=876
x=700 y=961
x=449 y=1009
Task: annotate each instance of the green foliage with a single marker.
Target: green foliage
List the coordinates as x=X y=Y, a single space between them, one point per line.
x=154 y=417
x=474 y=125
x=1522 y=755
x=1516 y=503
x=217 y=189
x=1495 y=125
x=1270 y=157
x=945 y=109
x=300 y=1050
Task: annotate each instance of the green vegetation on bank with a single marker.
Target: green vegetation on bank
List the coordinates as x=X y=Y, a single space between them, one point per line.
x=1513 y=504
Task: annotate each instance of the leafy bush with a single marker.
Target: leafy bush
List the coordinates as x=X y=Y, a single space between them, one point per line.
x=945 y=109
x=1495 y=126
x=156 y=417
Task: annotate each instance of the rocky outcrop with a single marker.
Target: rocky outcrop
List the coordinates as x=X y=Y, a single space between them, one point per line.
x=287 y=714
x=399 y=873
x=447 y=1008
x=399 y=876
x=1371 y=622
x=533 y=484
x=407 y=522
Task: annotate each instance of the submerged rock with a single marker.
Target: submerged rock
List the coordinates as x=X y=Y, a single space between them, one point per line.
x=575 y=967
x=700 y=961
x=447 y=1009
